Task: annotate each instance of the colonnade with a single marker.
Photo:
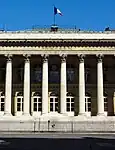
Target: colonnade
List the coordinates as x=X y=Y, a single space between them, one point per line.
x=63 y=85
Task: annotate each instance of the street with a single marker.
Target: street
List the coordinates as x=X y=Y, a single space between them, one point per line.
x=57 y=142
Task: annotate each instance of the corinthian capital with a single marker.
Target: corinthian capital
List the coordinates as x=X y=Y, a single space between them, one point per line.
x=45 y=57
x=99 y=58
x=81 y=58
x=27 y=57
x=63 y=57
x=8 y=57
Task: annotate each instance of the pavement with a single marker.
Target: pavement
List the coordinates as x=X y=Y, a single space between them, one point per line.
x=57 y=141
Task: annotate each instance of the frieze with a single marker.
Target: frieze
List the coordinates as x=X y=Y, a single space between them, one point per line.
x=56 y=50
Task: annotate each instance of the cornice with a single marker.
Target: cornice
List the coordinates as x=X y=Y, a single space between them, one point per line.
x=57 y=43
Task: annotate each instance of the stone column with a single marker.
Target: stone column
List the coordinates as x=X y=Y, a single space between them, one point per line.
x=26 y=111
x=81 y=86
x=100 y=98
x=8 y=86
x=45 y=84
x=63 y=86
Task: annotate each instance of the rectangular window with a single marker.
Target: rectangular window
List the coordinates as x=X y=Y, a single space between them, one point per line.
x=68 y=106
x=68 y=100
x=56 y=106
x=2 y=99
x=40 y=100
x=51 y=99
x=35 y=106
x=18 y=107
x=18 y=99
x=35 y=99
x=39 y=106
x=2 y=106
x=72 y=108
x=105 y=107
x=56 y=99
x=51 y=106
x=72 y=100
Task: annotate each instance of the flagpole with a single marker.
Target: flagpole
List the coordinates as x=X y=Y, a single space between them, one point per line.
x=54 y=19
x=54 y=15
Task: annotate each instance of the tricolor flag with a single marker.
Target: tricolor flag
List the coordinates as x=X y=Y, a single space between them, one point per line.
x=57 y=11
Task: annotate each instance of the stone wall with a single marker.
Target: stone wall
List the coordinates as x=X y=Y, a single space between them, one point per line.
x=62 y=125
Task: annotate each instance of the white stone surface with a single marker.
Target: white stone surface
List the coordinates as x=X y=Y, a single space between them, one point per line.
x=73 y=36
x=45 y=86
x=81 y=87
x=63 y=87
x=8 y=87
x=100 y=97
x=26 y=87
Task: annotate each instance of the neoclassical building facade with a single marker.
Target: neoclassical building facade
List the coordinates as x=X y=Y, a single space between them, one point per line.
x=61 y=74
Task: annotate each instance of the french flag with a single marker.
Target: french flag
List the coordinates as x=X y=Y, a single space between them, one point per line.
x=57 y=11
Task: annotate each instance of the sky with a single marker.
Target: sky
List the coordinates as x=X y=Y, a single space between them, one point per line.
x=93 y=15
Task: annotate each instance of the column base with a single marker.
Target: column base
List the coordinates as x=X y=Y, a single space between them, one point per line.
x=44 y=114
x=26 y=114
x=82 y=114
x=101 y=114
x=64 y=114
x=7 y=114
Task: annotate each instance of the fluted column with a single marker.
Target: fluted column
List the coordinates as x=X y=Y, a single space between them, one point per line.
x=81 y=86
x=45 y=84
x=63 y=86
x=26 y=103
x=8 y=86
x=100 y=98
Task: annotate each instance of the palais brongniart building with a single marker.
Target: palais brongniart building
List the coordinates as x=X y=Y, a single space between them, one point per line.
x=61 y=80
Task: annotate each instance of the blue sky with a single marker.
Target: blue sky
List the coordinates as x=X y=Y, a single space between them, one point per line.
x=84 y=14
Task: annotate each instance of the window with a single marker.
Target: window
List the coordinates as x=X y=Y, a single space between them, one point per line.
x=2 y=100
x=53 y=102
x=87 y=75
x=105 y=70
x=19 y=100
x=19 y=103
x=37 y=102
x=88 y=103
x=54 y=74
x=70 y=102
x=70 y=73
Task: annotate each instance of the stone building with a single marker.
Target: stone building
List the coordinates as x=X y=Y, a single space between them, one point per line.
x=52 y=80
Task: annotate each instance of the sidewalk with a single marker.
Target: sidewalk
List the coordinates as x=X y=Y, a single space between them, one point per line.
x=54 y=135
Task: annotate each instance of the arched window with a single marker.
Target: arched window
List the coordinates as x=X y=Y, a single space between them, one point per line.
x=37 y=101
x=88 y=102
x=53 y=102
x=19 y=100
x=2 y=100
x=105 y=102
x=70 y=102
